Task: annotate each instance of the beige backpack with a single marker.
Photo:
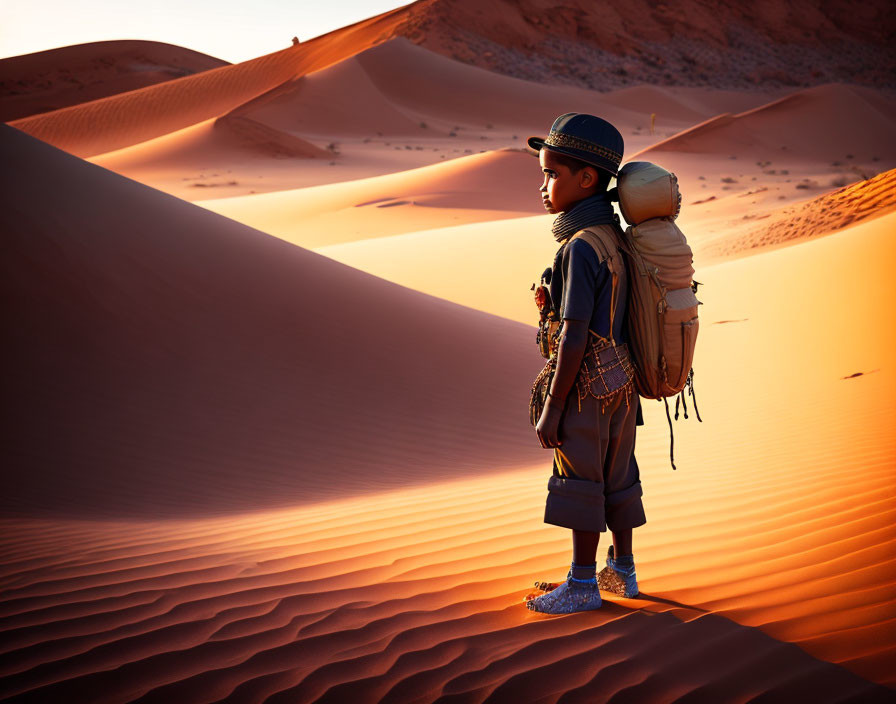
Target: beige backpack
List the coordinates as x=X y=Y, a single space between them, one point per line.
x=661 y=315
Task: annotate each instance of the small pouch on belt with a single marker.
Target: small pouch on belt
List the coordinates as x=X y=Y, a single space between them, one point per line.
x=612 y=371
x=605 y=372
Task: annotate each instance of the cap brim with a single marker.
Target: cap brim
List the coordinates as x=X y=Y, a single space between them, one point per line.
x=537 y=144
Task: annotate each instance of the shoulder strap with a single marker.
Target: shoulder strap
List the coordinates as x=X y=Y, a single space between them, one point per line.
x=607 y=247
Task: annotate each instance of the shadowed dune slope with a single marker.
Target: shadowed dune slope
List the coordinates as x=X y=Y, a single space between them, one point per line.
x=167 y=359
x=338 y=100
x=57 y=78
x=122 y=120
x=403 y=72
x=822 y=122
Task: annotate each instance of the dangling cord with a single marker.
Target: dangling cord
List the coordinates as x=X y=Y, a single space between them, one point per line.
x=693 y=395
x=677 y=401
x=684 y=404
x=671 y=434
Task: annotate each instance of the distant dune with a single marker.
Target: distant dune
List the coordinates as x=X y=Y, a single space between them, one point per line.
x=122 y=120
x=58 y=78
x=824 y=215
x=816 y=123
x=767 y=44
x=169 y=360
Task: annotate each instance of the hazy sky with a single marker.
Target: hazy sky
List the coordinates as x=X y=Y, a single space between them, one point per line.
x=233 y=30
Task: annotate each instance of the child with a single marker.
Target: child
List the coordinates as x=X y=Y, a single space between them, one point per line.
x=592 y=407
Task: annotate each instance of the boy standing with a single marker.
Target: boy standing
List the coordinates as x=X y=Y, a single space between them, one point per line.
x=592 y=407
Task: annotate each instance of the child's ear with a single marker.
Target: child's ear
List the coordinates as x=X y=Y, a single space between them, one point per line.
x=588 y=177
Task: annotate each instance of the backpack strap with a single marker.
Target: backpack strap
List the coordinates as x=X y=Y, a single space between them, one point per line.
x=607 y=248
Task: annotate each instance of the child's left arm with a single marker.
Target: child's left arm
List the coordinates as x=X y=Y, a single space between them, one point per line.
x=573 y=340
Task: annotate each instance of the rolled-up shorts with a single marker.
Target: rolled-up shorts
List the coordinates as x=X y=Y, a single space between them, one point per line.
x=596 y=483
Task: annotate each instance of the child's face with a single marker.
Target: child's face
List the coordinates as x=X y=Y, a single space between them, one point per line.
x=561 y=189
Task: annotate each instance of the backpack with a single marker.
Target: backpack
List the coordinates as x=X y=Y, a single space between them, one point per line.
x=661 y=318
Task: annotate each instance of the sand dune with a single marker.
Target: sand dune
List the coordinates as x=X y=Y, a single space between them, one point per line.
x=469 y=264
x=407 y=121
x=226 y=155
x=691 y=102
x=122 y=120
x=489 y=266
x=242 y=471
x=197 y=365
x=816 y=217
x=57 y=78
x=489 y=186
x=468 y=95
x=766 y=566
x=816 y=123
x=338 y=100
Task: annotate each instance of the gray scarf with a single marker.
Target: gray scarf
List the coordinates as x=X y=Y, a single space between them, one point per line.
x=594 y=210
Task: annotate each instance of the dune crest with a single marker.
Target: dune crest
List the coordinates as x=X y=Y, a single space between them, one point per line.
x=122 y=120
x=50 y=80
x=812 y=123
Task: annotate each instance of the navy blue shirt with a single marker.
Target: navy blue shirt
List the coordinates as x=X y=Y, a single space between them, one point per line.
x=587 y=289
x=587 y=286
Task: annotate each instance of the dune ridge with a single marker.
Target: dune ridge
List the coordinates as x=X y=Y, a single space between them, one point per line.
x=810 y=124
x=121 y=120
x=57 y=78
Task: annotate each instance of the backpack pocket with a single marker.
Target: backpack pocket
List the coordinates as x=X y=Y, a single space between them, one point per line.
x=679 y=337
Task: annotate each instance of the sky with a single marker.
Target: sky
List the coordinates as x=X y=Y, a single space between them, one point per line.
x=233 y=30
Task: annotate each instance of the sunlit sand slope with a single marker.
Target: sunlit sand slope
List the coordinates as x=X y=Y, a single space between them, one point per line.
x=488 y=186
x=486 y=265
x=167 y=359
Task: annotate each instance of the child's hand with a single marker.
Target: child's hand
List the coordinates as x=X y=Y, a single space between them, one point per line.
x=548 y=428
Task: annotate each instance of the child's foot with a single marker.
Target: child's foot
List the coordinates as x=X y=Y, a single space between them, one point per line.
x=618 y=578
x=569 y=597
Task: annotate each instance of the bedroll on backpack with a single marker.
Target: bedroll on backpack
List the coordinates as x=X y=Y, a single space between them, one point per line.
x=661 y=314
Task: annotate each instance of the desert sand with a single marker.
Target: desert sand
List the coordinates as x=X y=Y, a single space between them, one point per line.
x=269 y=368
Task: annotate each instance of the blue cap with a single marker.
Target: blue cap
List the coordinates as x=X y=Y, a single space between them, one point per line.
x=585 y=137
